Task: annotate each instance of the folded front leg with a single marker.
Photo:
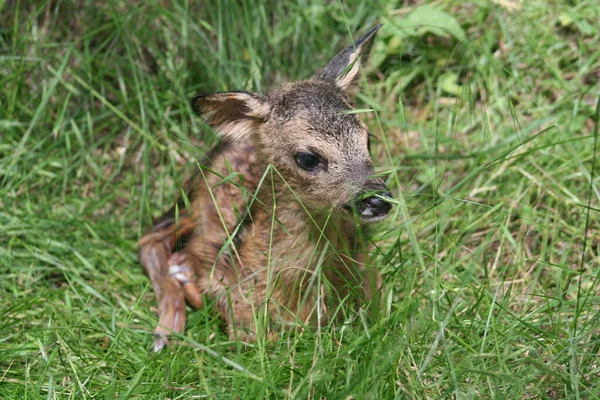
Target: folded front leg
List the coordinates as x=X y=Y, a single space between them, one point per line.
x=182 y=270
x=155 y=250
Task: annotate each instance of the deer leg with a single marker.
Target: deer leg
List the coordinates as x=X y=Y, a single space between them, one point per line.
x=155 y=249
x=181 y=269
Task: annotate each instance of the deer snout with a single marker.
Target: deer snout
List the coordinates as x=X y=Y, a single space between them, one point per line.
x=370 y=203
x=374 y=207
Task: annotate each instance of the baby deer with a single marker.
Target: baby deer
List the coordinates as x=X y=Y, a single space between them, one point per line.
x=281 y=238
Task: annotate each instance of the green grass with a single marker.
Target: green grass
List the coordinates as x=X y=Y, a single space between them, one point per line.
x=491 y=260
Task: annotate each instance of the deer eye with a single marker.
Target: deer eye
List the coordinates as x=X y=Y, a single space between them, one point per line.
x=307 y=161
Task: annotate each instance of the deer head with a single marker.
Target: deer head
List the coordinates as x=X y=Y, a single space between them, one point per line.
x=306 y=131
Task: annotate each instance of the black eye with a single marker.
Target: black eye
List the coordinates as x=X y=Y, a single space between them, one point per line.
x=307 y=161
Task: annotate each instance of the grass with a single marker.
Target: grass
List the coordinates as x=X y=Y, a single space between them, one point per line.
x=491 y=260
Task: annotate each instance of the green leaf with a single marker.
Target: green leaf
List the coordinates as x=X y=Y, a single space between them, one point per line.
x=565 y=19
x=449 y=83
x=427 y=19
x=228 y=178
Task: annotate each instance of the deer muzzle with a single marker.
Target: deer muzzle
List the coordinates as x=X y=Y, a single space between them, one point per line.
x=371 y=204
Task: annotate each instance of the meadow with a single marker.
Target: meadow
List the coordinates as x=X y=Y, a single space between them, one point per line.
x=487 y=118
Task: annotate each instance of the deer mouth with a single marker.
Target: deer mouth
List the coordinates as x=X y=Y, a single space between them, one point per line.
x=370 y=209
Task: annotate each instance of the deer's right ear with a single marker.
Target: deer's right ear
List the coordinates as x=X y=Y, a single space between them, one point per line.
x=232 y=114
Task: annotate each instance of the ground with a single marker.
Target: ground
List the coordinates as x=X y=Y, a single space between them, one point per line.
x=487 y=118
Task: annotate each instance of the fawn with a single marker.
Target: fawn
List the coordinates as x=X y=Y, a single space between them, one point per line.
x=285 y=241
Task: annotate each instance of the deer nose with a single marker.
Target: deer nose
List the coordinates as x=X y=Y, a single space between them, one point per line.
x=375 y=207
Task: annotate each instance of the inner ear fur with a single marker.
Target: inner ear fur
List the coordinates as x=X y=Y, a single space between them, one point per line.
x=232 y=114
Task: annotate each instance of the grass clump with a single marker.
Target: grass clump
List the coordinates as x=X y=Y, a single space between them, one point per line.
x=487 y=114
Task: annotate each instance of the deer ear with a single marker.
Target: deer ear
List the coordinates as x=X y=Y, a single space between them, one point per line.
x=232 y=114
x=344 y=68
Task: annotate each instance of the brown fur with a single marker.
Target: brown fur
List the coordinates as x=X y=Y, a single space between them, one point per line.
x=284 y=244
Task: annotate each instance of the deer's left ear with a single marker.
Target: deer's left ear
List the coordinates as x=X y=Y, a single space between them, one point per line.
x=233 y=114
x=344 y=68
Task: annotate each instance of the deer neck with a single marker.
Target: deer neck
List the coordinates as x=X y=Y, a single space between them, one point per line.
x=292 y=218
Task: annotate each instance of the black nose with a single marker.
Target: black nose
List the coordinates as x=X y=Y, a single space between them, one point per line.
x=374 y=206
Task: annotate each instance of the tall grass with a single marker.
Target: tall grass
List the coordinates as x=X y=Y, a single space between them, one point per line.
x=491 y=260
